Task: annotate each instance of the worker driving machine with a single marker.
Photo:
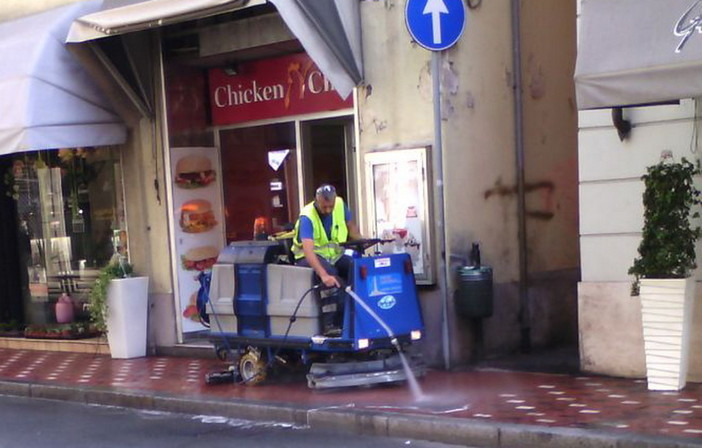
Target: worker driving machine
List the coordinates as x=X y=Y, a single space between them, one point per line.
x=266 y=314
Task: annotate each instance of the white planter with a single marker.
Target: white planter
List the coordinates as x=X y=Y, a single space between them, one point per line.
x=128 y=304
x=666 y=314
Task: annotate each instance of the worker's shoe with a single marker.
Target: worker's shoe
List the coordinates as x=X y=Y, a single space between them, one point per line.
x=332 y=332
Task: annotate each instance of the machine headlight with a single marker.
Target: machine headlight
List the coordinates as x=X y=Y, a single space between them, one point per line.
x=416 y=335
x=363 y=343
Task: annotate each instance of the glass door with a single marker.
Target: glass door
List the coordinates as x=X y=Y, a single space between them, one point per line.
x=328 y=156
x=259 y=175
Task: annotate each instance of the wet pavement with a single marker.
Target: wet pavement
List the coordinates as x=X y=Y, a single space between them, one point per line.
x=599 y=404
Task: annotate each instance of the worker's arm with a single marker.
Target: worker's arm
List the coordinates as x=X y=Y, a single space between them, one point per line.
x=354 y=233
x=308 y=250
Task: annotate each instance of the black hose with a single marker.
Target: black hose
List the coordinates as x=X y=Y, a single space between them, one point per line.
x=219 y=327
x=293 y=318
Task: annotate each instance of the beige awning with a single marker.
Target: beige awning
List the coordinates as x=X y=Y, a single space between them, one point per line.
x=126 y=16
x=47 y=99
x=329 y=30
x=638 y=52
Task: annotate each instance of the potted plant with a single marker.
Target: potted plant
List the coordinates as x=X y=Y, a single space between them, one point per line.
x=119 y=306
x=663 y=270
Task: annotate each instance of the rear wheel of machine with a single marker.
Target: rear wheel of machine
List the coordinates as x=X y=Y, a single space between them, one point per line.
x=252 y=368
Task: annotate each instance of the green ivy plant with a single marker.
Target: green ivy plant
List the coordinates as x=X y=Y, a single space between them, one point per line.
x=117 y=268
x=670 y=198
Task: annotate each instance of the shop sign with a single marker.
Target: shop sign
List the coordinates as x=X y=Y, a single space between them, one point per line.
x=271 y=88
x=688 y=23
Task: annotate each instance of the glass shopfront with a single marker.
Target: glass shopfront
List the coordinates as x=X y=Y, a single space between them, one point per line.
x=68 y=213
x=273 y=130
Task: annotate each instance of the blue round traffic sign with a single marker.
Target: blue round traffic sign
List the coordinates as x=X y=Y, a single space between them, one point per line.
x=435 y=24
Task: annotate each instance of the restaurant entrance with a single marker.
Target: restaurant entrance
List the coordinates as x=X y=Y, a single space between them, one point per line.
x=270 y=171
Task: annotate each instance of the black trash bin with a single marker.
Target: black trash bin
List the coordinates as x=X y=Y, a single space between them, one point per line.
x=474 y=295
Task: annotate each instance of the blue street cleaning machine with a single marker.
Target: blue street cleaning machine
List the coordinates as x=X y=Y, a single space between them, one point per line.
x=266 y=314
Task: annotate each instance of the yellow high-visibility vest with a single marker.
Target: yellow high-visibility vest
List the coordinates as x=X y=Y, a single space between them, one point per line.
x=328 y=248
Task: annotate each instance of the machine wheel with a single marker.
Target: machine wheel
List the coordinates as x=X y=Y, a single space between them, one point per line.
x=252 y=368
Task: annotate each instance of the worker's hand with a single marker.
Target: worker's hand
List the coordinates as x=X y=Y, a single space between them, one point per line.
x=330 y=281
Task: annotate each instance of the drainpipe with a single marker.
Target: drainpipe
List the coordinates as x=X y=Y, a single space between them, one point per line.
x=524 y=314
x=437 y=152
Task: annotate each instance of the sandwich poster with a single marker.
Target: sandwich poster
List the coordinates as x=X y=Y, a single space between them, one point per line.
x=197 y=218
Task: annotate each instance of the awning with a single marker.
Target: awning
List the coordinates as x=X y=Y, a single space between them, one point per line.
x=126 y=16
x=329 y=30
x=638 y=52
x=47 y=99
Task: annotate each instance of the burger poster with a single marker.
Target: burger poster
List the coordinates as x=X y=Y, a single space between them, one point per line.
x=197 y=215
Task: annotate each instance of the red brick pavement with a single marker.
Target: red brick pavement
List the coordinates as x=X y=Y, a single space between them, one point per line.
x=619 y=405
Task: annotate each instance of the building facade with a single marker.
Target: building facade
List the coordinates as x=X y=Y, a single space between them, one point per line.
x=637 y=107
x=231 y=89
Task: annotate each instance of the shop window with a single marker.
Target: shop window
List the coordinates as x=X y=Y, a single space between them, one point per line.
x=70 y=216
x=259 y=173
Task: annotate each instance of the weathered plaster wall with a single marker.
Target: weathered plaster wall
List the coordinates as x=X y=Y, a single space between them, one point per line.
x=550 y=133
x=548 y=39
x=480 y=174
x=395 y=110
x=395 y=104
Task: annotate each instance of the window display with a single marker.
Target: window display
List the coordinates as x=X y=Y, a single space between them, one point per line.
x=70 y=215
x=397 y=186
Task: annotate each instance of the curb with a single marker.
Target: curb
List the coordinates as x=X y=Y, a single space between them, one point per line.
x=352 y=421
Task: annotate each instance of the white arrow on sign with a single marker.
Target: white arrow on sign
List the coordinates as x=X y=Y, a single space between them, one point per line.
x=435 y=8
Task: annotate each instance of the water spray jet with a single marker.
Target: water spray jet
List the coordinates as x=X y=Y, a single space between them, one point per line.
x=411 y=379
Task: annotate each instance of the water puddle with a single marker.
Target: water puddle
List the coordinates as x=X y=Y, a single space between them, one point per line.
x=244 y=424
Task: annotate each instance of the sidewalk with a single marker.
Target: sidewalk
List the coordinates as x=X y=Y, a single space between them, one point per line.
x=482 y=408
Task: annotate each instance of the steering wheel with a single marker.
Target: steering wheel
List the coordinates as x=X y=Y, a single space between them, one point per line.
x=364 y=243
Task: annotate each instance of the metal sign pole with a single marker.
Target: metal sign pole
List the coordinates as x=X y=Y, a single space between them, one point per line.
x=437 y=25
x=440 y=210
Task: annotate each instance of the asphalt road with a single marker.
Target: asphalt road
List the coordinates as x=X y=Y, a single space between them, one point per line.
x=36 y=423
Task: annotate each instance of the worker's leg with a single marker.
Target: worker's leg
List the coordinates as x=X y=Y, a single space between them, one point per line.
x=331 y=270
x=343 y=266
x=331 y=300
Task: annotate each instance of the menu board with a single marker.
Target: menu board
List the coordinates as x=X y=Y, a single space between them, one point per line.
x=399 y=206
x=197 y=214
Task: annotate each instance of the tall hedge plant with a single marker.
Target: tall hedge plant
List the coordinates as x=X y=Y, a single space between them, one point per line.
x=670 y=199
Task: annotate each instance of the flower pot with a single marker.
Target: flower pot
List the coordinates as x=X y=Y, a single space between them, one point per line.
x=127 y=302
x=64 y=309
x=666 y=314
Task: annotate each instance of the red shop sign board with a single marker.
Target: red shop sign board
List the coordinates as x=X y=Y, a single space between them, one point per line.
x=271 y=88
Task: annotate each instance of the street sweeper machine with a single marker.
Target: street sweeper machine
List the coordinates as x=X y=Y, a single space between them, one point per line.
x=265 y=315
